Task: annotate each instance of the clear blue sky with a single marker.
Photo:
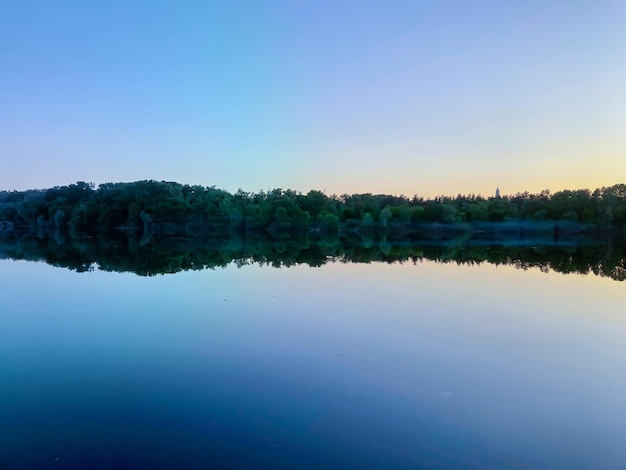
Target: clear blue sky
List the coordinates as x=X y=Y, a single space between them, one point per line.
x=426 y=97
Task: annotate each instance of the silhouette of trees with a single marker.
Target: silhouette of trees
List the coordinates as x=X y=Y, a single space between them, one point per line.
x=176 y=209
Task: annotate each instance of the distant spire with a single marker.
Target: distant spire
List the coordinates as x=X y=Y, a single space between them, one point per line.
x=497 y=193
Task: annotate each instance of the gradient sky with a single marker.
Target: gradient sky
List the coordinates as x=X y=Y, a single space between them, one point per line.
x=426 y=97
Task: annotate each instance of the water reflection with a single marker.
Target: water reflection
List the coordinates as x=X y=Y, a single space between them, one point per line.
x=346 y=366
x=160 y=255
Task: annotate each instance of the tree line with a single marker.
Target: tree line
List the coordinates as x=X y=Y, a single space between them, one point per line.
x=169 y=208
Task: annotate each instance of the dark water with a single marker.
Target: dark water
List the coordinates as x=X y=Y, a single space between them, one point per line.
x=341 y=366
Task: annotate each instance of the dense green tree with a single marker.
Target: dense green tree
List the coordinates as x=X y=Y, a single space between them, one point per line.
x=196 y=210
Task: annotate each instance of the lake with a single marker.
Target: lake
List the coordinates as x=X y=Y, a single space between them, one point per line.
x=346 y=365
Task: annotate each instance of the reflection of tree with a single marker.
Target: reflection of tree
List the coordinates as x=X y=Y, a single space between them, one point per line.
x=129 y=252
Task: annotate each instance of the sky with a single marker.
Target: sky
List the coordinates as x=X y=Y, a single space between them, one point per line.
x=396 y=97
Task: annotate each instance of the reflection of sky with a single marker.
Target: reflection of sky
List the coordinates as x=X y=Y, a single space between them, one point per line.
x=366 y=363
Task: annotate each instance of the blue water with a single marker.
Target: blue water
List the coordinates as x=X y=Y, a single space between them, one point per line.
x=342 y=366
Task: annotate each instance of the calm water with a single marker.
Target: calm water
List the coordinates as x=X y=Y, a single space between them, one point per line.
x=342 y=366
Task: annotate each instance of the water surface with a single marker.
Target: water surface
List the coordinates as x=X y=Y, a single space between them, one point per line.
x=341 y=366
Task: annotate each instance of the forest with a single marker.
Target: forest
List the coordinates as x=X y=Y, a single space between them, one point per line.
x=160 y=208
